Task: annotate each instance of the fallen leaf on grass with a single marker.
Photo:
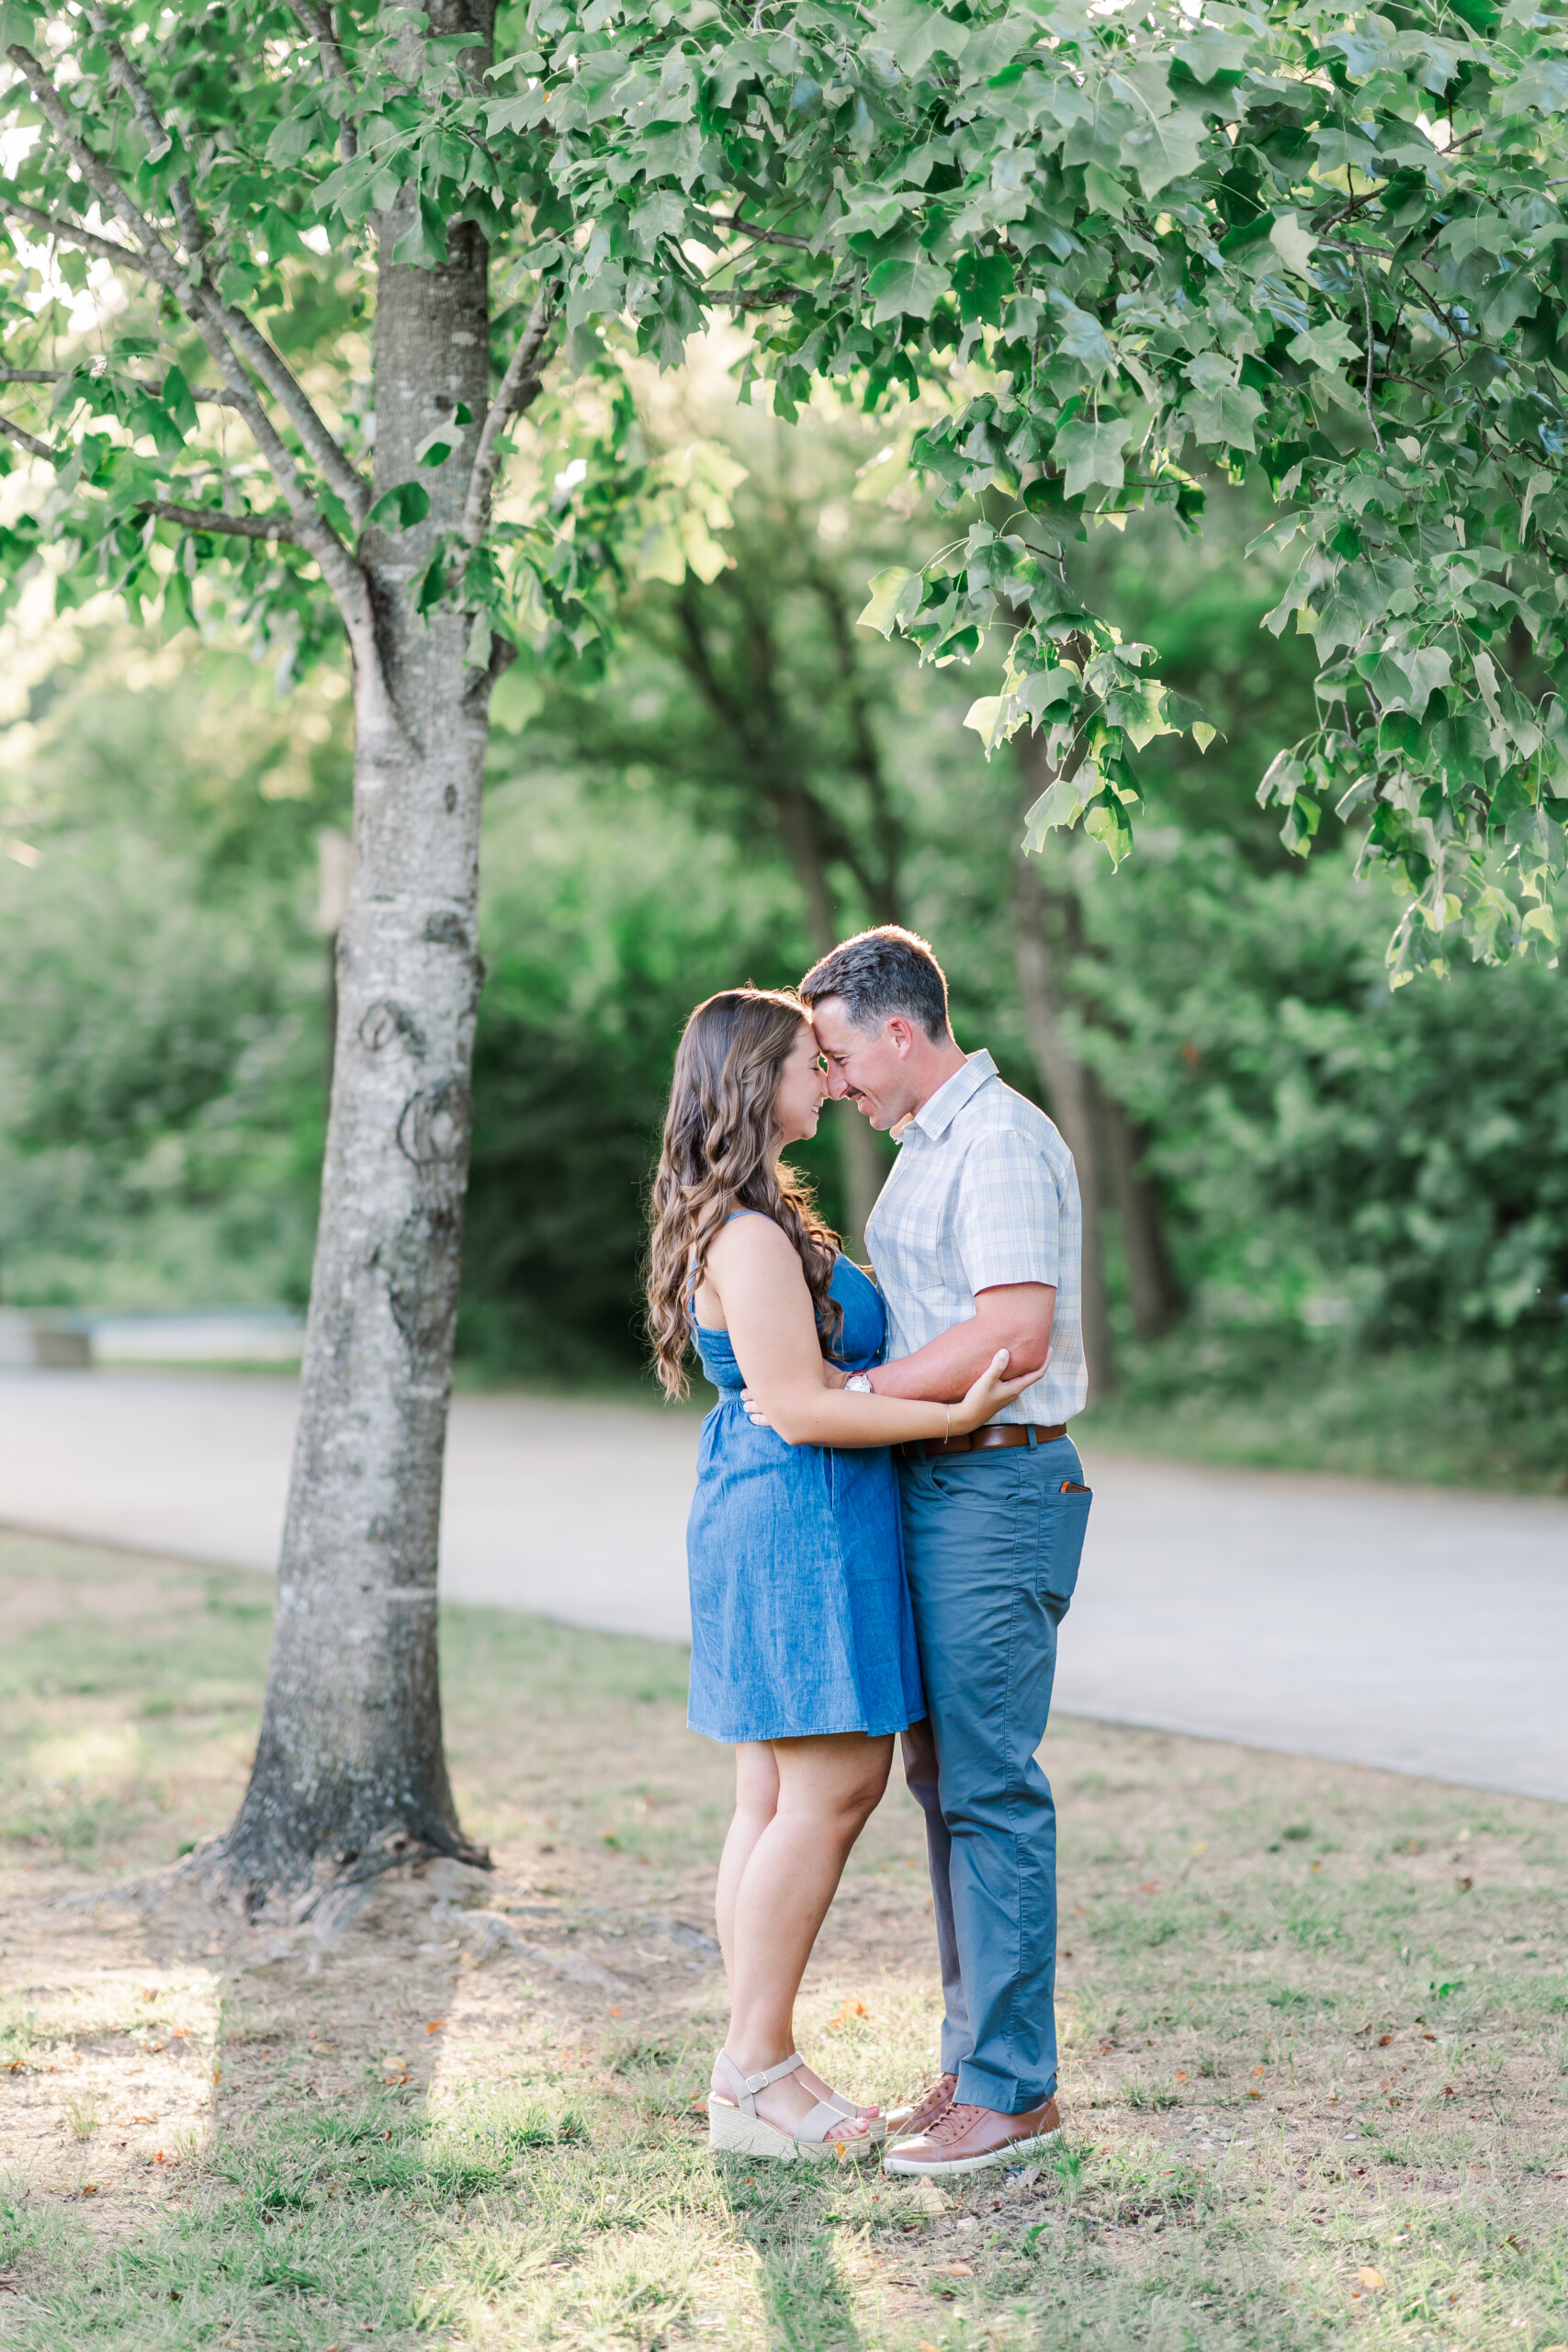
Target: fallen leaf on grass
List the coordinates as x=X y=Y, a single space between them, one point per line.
x=853 y=2006
x=1464 y=1884
x=956 y=2270
x=433 y=2025
x=1369 y=2278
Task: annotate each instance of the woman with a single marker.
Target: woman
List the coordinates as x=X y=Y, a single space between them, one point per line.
x=803 y=1648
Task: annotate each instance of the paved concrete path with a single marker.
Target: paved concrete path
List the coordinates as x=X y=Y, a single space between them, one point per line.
x=1417 y=1628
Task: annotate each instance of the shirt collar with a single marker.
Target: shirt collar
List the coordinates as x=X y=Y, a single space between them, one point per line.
x=935 y=1116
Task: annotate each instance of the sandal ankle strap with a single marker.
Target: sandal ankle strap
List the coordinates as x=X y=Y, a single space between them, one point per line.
x=755 y=2083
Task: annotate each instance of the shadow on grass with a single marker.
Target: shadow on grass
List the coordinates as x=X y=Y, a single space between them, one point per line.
x=786 y=2215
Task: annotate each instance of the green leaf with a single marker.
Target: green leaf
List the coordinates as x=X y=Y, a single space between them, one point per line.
x=912 y=34
x=439 y=443
x=1090 y=453
x=433 y=587
x=1083 y=337
x=1294 y=244
x=1060 y=804
x=1207 y=53
x=1160 y=152
x=178 y=401
x=905 y=289
x=19 y=26
x=894 y=600
x=1109 y=822
x=1541 y=84
x=422 y=244
x=1329 y=345
x=401 y=507
x=988 y=718
x=1222 y=414
x=1139 y=710
x=982 y=283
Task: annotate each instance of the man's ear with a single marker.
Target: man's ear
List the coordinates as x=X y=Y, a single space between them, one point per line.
x=901 y=1036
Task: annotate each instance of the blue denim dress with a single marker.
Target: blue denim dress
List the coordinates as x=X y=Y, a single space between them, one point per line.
x=800 y=1614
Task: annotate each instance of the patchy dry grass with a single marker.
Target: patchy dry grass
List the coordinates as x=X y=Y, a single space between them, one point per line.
x=1315 y=2024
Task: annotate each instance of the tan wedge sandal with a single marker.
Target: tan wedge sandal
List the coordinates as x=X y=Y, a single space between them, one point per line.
x=740 y=2131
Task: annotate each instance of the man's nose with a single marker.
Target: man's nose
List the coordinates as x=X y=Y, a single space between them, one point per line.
x=838 y=1084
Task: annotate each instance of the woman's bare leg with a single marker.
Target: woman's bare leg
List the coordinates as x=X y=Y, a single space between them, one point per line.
x=827 y=1790
x=756 y=1802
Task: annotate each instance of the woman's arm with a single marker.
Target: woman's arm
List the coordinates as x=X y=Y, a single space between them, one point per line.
x=767 y=1306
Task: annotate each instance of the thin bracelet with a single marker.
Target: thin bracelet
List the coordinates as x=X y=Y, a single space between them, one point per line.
x=947 y=1433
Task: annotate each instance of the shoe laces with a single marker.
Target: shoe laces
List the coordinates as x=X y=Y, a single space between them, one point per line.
x=955 y=2122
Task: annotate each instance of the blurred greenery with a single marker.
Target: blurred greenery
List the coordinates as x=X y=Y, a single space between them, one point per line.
x=1361 y=1196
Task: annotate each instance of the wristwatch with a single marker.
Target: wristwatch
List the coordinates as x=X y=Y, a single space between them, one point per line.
x=860 y=1382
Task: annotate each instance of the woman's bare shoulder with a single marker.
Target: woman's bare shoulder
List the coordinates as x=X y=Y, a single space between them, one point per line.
x=752 y=1242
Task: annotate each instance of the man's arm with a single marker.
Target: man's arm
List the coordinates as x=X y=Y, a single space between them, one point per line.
x=1015 y=1316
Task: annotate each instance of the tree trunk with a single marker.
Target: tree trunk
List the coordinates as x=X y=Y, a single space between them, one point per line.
x=1069 y=1086
x=350 y=1770
x=1149 y=1287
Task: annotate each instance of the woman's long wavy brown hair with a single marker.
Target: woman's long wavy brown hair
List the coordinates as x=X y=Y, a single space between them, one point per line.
x=721 y=1153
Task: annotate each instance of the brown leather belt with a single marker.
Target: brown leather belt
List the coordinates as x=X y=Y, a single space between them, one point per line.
x=983 y=1440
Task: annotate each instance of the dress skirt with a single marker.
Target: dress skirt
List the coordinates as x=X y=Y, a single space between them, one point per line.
x=801 y=1621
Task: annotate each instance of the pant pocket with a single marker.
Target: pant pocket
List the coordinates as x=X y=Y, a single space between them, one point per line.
x=1064 y=1521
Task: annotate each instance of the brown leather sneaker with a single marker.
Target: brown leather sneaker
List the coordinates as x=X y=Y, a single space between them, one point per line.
x=972 y=2139
x=924 y=2111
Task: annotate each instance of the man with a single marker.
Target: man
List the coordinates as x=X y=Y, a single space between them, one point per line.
x=976 y=1242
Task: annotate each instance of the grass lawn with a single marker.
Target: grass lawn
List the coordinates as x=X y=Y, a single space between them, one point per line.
x=1316 y=2029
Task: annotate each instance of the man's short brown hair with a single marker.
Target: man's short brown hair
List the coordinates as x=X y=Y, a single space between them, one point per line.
x=880 y=973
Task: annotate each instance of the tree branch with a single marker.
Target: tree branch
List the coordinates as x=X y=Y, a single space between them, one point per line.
x=247 y=338
x=766 y=298
x=281 y=381
x=318 y=23
x=71 y=232
x=213 y=518
x=206 y=314
x=28 y=441
x=94 y=170
x=30 y=375
x=519 y=388
x=157 y=136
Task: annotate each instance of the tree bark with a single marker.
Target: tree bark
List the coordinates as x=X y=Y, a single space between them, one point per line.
x=1150 y=1290
x=349 y=1771
x=1071 y=1093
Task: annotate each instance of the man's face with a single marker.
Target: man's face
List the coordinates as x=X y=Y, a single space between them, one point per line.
x=870 y=1067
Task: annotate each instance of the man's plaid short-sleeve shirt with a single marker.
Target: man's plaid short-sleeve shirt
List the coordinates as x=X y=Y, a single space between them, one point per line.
x=984 y=1191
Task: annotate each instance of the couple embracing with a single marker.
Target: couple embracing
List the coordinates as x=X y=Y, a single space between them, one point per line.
x=886 y=1529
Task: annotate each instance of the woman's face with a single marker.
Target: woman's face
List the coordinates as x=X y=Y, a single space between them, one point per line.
x=802 y=1090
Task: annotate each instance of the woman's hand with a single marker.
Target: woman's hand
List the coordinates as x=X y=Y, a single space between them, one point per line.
x=994 y=1389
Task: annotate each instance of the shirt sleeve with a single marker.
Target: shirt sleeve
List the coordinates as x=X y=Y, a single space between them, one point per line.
x=1007 y=1221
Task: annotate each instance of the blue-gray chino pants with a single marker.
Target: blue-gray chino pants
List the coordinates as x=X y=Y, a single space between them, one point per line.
x=991 y=1546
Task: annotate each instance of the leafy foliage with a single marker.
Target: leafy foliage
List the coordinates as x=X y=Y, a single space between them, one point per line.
x=1100 y=250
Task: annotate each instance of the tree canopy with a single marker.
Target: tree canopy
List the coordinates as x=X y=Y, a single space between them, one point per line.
x=1077 y=254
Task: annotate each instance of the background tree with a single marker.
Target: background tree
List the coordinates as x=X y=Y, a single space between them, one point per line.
x=1331 y=244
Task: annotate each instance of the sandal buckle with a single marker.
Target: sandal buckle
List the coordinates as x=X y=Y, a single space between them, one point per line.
x=755 y=2083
